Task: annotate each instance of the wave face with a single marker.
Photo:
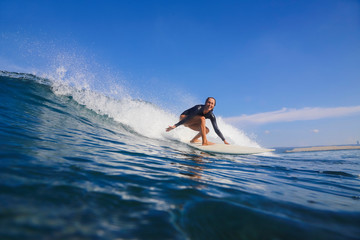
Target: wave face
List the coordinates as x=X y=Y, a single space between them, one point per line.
x=85 y=162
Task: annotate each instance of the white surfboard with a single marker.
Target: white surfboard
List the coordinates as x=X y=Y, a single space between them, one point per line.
x=229 y=149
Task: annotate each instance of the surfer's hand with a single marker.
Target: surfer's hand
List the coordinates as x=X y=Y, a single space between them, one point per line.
x=226 y=142
x=170 y=128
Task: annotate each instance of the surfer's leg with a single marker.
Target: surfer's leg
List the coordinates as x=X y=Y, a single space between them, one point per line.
x=203 y=131
x=196 y=138
x=193 y=124
x=198 y=123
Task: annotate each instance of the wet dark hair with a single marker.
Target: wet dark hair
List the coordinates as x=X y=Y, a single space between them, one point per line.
x=209 y=98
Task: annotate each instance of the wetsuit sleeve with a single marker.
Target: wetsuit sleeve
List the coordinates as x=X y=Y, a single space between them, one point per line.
x=215 y=126
x=192 y=112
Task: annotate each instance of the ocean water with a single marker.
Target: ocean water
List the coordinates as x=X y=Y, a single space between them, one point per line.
x=77 y=163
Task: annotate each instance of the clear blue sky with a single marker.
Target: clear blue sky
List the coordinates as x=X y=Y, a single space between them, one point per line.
x=293 y=64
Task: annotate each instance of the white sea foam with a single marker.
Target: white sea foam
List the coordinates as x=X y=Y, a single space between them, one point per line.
x=107 y=93
x=143 y=117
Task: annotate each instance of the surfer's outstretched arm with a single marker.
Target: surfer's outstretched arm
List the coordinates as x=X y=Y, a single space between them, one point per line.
x=216 y=128
x=186 y=116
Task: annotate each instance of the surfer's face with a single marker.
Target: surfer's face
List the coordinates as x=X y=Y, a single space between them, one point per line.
x=210 y=104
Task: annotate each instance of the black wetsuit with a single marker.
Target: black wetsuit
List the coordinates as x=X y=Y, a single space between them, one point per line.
x=198 y=110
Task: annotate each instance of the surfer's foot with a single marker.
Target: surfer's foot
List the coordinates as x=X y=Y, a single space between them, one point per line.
x=208 y=143
x=195 y=141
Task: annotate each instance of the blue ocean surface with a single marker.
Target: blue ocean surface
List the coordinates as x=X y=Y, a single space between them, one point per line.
x=79 y=164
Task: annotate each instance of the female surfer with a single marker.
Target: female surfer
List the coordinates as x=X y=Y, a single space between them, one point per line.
x=195 y=119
